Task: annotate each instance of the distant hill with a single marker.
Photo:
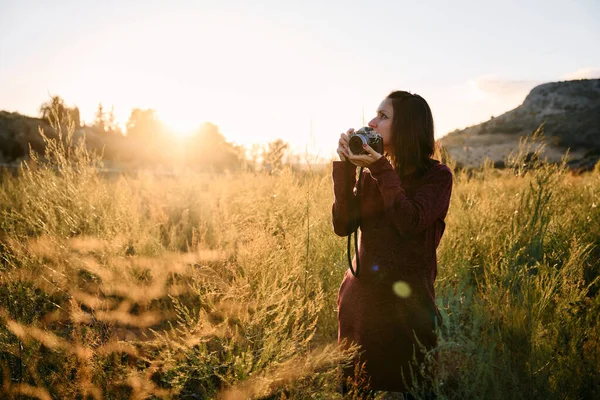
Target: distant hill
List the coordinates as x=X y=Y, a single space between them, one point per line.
x=570 y=112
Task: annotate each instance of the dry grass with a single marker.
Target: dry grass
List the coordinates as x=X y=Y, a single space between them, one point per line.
x=224 y=286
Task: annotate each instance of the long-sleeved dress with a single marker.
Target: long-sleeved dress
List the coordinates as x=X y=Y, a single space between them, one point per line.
x=392 y=300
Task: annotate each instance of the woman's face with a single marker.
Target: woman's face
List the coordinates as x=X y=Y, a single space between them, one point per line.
x=382 y=123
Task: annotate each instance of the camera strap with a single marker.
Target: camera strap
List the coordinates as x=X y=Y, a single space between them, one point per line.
x=351 y=214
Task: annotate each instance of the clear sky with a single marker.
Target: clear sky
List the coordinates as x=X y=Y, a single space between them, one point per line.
x=303 y=71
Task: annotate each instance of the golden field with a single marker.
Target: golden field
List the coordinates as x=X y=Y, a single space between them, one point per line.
x=199 y=286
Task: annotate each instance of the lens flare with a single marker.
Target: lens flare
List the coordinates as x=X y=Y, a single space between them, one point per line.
x=402 y=289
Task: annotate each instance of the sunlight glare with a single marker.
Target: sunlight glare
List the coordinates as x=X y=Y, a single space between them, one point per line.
x=181 y=122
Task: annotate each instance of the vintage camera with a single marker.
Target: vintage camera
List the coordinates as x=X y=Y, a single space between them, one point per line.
x=365 y=135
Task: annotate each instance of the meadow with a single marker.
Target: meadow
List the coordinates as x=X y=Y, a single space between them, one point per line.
x=200 y=286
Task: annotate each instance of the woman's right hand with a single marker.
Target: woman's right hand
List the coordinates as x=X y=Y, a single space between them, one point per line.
x=343 y=149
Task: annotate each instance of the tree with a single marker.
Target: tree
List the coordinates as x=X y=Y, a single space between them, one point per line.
x=209 y=149
x=255 y=154
x=110 y=122
x=105 y=122
x=148 y=139
x=57 y=105
x=99 y=120
x=75 y=116
x=145 y=124
x=273 y=156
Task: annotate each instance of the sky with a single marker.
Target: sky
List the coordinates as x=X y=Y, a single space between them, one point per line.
x=303 y=71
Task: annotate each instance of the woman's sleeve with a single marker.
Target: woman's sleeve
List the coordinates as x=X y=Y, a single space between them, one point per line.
x=344 y=210
x=415 y=214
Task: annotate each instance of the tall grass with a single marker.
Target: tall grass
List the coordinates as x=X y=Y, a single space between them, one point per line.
x=224 y=286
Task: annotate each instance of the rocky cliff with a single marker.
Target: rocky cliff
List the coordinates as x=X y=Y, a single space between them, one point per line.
x=569 y=112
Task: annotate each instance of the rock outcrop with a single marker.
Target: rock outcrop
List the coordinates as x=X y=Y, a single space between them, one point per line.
x=569 y=112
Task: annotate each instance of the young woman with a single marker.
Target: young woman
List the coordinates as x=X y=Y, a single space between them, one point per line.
x=389 y=307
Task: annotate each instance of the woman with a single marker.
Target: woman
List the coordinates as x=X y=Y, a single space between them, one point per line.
x=389 y=308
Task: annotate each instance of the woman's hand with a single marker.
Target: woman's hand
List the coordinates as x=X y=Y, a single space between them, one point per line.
x=360 y=160
x=343 y=149
x=364 y=160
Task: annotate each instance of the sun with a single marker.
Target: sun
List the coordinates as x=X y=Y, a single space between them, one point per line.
x=180 y=124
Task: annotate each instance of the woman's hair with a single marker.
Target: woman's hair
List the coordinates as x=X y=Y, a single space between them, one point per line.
x=412 y=132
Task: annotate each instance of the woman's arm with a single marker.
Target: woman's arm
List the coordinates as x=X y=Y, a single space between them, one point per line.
x=344 y=210
x=415 y=214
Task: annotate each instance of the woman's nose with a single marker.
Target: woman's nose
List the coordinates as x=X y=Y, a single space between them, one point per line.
x=372 y=123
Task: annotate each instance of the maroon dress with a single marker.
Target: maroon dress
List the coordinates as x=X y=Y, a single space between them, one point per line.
x=392 y=300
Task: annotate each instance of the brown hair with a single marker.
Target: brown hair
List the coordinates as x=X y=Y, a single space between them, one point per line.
x=412 y=133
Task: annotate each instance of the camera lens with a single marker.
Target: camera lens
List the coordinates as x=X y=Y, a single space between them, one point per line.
x=356 y=144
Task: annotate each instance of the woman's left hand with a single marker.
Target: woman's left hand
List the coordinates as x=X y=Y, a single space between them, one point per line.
x=364 y=160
